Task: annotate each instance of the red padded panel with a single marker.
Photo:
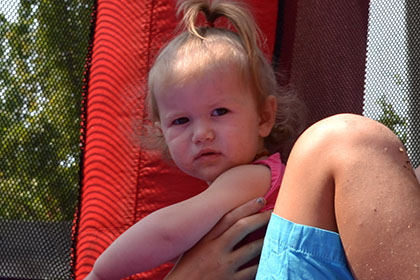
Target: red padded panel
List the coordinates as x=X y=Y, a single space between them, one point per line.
x=121 y=182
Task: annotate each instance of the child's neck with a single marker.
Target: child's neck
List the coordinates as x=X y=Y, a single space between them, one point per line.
x=263 y=153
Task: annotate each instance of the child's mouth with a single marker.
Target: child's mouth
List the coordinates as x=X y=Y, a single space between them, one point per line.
x=207 y=155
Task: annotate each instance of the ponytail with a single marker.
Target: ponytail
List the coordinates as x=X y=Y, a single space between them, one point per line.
x=238 y=15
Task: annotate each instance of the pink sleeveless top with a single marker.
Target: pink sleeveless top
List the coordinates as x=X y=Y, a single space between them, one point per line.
x=277 y=171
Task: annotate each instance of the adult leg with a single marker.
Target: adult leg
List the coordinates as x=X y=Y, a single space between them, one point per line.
x=352 y=175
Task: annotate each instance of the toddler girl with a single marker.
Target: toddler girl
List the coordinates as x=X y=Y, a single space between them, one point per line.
x=213 y=100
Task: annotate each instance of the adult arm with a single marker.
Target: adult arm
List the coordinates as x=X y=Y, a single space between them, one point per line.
x=214 y=258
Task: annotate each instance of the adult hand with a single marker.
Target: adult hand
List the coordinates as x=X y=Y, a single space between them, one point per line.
x=214 y=258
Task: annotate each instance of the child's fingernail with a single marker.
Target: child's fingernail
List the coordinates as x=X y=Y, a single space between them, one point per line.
x=261 y=200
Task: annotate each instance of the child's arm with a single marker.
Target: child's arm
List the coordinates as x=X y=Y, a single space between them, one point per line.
x=168 y=232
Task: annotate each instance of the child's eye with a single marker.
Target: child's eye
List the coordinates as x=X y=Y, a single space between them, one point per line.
x=219 y=112
x=180 y=121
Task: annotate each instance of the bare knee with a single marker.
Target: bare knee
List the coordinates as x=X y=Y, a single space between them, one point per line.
x=320 y=160
x=347 y=146
x=345 y=138
x=333 y=160
x=350 y=129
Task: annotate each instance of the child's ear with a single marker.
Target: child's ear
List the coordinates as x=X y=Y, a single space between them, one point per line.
x=267 y=116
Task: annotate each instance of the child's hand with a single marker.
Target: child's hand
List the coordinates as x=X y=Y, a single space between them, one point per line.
x=213 y=258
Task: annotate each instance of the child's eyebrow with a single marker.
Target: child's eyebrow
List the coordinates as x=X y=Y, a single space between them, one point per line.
x=172 y=115
x=224 y=99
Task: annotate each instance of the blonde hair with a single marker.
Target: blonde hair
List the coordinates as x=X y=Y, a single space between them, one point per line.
x=198 y=49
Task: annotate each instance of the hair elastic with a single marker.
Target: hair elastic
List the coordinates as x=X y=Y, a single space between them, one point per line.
x=209 y=24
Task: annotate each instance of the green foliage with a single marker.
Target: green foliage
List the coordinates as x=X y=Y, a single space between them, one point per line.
x=41 y=82
x=392 y=120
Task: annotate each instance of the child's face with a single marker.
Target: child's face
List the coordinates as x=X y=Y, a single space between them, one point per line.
x=210 y=124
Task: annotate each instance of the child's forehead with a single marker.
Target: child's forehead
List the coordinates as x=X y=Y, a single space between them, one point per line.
x=217 y=72
x=202 y=95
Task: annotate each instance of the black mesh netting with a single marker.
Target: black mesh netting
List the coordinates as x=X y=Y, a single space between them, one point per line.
x=43 y=48
x=392 y=89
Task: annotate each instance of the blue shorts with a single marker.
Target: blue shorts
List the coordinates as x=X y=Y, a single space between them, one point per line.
x=293 y=251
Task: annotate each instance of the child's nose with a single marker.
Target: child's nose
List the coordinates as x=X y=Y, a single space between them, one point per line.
x=203 y=133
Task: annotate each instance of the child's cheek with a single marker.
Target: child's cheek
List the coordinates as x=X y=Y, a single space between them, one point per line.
x=175 y=143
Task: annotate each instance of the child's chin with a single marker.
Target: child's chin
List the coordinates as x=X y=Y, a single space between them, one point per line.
x=209 y=173
x=210 y=178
